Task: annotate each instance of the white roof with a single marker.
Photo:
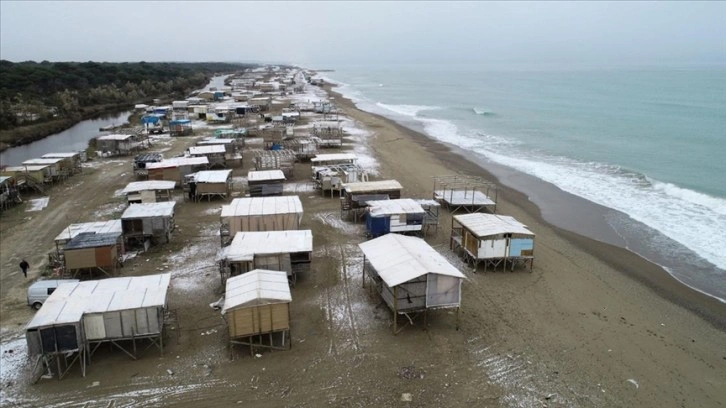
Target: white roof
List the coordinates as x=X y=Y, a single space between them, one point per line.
x=146 y=210
x=212 y=176
x=47 y=161
x=215 y=141
x=483 y=225
x=60 y=155
x=70 y=301
x=247 y=244
x=427 y=202
x=29 y=167
x=99 y=227
x=207 y=149
x=263 y=206
x=265 y=175
x=365 y=186
x=4 y=178
x=136 y=186
x=114 y=137
x=334 y=157
x=398 y=258
x=394 y=207
x=178 y=161
x=327 y=123
x=257 y=287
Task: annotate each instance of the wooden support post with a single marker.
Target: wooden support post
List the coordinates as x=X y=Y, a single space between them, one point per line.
x=395 y=310
x=457 y=318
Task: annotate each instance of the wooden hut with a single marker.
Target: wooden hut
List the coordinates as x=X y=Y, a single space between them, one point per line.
x=260 y=214
x=257 y=309
x=97 y=227
x=403 y=215
x=91 y=252
x=149 y=191
x=34 y=176
x=354 y=197
x=230 y=144
x=275 y=160
x=78 y=317
x=410 y=276
x=215 y=154
x=72 y=161
x=175 y=169
x=265 y=183
x=152 y=221
x=141 y=160
x=288 y=251
x=465 y=192
x=209 y=183
x=180 y=127
x=55 y=167
x=118 y=144
x=492 y=239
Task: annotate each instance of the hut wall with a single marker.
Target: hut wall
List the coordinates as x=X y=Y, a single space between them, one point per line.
x=443 y=290
x=212 y=188
x=80 y=258
x=259 y=319
x=411 y=295
x=521 y=247
x=279 y=262
x=269 y=222
x=123 y=324
x=53 y=339
x=169 y=173
x=492 y=248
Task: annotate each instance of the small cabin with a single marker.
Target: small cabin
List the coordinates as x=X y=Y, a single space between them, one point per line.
x=402 y=215
x=149 y=191
x=118 y=144
x=55 y=167
x=411 y=277
x=141 y=160
x=265 y=183
x=72 y=161
x=91 y=252
x=215 y=154
x=260 y=214
x=79 y=316
x=180 y=127
x=152 y=222
x=209 y=184
x=257 y=309
x=288 y=251
x=230 y=145
x=96 y=227
x=274 y=160
x=27 y=175
x=355 y=196
x=492 y=239
x=175 y=169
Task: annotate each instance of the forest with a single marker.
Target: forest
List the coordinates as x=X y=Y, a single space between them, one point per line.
x=33 y=93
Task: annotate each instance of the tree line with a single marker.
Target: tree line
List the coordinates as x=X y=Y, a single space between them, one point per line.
x=35 y=92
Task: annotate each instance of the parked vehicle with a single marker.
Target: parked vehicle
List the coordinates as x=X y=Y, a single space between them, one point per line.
x=39 y=291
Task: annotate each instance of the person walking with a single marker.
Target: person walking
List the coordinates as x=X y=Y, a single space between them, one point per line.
x=24 y=266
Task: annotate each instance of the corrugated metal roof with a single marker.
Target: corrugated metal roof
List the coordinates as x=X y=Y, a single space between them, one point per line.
x=241 y=207
x=399 y=258
x=265 y=175
x=148 y=157
x=92 y=240
x=178 y=161
x=427 y=202
x=212 y=176
x=208 y=149
x=483 y=225
x=99 y=227
x=246 y=245
x=393 y=207
x=257 y=287
x=136 y=186
x=34 y=167
x=215 y=141
x=334 y=157
x=366 y=186
x=464 y=197
x=146 y=210
x=60 y=155
x=43 y=161
x=70 y=301
x=114 y=137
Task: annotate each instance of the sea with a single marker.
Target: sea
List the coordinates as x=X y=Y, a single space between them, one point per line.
x=645 y=144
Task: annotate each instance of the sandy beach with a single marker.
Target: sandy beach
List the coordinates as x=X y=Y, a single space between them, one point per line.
x=591 y=325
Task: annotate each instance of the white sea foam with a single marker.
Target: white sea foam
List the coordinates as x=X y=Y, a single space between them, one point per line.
x=407 y=110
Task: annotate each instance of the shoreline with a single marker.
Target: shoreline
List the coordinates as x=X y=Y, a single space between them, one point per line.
x=625 y=261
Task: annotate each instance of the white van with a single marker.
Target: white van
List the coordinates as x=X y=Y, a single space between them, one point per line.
x=39 y=291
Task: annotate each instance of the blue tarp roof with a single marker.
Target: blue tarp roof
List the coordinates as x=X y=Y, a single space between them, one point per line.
x=181 y=122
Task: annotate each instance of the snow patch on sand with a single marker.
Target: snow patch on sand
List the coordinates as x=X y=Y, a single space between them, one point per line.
x=109 y=209
x=191 y=266
x=37 y=204
x=333 y=220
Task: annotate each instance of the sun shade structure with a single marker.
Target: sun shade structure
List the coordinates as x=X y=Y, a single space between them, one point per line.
x=260 y=214
x=410 y=275
x=492 y=239
x=149 y=191
x=153 y=221
x=288 y=251
x=257 y=309
x=265 y=183
x=77 y=317
x=355 y=196
x=471 y=194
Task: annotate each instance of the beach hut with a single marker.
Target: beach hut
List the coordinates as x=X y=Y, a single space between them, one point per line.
x=91 y=252
x=410 y=276
x=260 y=214
x=403 y=215
x=151 y=221
x=180 y=127
x=141 y=160
x=72 y=161
x=492 y=239
x=288 y=251
x=149 y=191
x=265 y=182
x=275 y=160
x=330 y=159
x=465 y=192
x=175 y=169
x=55 y=167
x=355 y=196
x=8 y=192
x=257 y=309
x=214 y=153
x=29 y=176
x=80 y=316
x=209 y=183
x=117 y=144
x=230 y=145
x=96 y=227
x=330 y=133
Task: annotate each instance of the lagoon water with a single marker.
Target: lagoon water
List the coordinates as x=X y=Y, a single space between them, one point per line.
x=647 y=142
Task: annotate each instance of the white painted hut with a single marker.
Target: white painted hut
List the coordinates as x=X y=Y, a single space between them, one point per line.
x=410 y=275
x=403 y=215
x=260 y=214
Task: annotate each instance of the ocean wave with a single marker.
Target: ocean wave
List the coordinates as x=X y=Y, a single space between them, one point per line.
x=407 y=110
x=483 y=112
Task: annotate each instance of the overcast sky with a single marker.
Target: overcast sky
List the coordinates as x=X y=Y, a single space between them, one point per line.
x=331 y=33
